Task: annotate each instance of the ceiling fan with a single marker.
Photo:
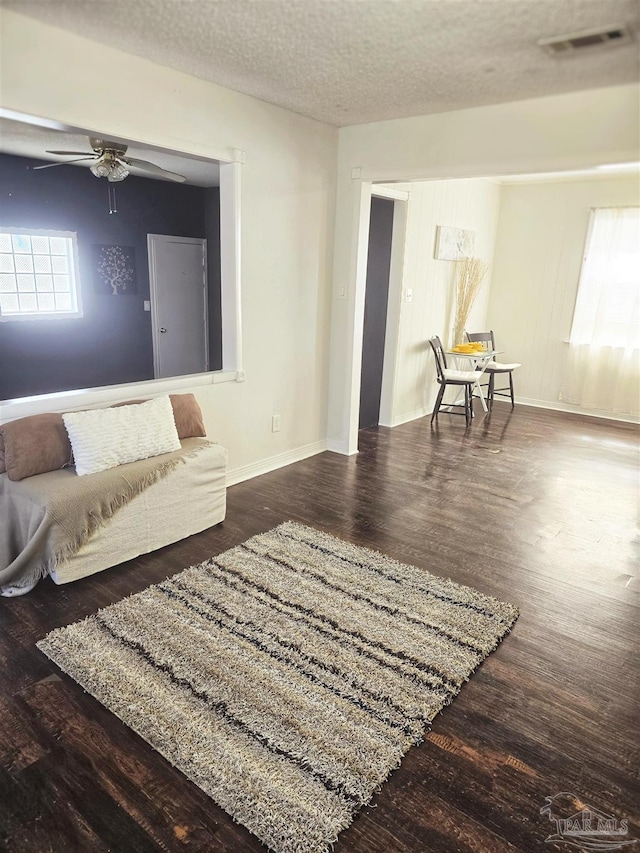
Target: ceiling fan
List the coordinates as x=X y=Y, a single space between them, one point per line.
x=110 y=162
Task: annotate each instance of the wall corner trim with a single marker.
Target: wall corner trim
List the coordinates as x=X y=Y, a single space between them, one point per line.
x=341 y=447
x=272 y=463
x=577 y=410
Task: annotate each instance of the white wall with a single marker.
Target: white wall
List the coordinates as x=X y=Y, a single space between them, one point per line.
x=468 y=204
x=557 y=133
x=539 y=248
x=288 y=186
x=288 y=193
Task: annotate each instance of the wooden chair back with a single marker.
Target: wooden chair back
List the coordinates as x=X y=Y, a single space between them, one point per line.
x=440 y=357
x=482 y=337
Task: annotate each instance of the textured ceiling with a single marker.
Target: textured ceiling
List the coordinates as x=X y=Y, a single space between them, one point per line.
x=354 y=61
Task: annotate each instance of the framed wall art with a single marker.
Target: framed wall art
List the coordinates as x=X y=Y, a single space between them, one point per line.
x=114 y=269
x=453 y=244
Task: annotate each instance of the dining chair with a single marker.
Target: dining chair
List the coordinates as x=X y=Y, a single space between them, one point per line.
x=494 y=368
x=448 y=377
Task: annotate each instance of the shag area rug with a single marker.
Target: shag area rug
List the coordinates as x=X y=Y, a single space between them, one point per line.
x=286 y=677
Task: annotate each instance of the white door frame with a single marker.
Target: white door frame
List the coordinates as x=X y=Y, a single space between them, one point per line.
x=397 y=292
x=348 y=319
x=152 y=241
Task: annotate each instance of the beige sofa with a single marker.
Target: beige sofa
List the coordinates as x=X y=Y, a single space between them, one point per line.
x=190 y=498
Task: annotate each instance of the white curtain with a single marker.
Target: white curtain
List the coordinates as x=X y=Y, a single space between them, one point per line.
x=603 y=367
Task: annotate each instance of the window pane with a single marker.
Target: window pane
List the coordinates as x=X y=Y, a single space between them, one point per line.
x=61 y=283
x=607 y=309
x=63 y=302
x=26 y=282
x=7 y=283
x=28 y=302
x=40 y=245
x=42 y=263
x=60 y=264
x=59 y=245
x=8 y=303
x=46 y=302
x=6 y=263
x=24 y=263
x=44 y=283
x=5 y=243
x=21 y=242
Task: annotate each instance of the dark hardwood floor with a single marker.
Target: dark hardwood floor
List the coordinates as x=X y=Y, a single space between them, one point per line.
x=535 y=507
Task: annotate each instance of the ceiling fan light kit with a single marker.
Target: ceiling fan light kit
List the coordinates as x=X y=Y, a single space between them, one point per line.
x=112 y=170
x=108 y=161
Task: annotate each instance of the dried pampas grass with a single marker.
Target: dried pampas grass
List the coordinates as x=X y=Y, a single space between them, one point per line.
x=470 y=274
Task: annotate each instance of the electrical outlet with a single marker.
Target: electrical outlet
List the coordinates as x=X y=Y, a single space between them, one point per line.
x=275 y=423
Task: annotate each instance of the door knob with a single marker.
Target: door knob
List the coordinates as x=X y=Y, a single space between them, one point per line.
x=162 y=330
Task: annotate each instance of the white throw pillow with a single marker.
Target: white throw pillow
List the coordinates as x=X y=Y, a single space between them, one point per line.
x=104 y=438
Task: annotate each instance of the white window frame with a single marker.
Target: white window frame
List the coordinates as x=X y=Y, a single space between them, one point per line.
x=74 y=277
x=230 y=162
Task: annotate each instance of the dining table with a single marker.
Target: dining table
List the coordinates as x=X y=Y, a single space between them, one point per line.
x=479 y=358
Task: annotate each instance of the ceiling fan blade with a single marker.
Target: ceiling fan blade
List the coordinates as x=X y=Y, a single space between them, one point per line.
x=151 y=167
x=64 y=163
x=86 y=153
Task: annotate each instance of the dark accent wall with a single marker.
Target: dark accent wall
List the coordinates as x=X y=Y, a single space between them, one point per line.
x=375 y=310
x=111 y=343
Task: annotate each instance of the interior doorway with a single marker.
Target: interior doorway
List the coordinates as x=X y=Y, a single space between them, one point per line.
x=178 y=289
x=375 y=309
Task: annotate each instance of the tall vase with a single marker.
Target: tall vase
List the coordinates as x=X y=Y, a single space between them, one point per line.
x=458 y=333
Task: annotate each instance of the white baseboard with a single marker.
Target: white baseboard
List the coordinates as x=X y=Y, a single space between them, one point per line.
x=576 y=410
x=408 y=416
x=538 y=404
x=339 y=447
x=272 y=463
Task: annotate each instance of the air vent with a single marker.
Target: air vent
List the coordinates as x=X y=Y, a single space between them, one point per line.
x=565 y=45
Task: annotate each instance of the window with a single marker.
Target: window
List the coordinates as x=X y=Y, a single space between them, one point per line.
x=607 y=311
x=38 y=276
x=603 y=362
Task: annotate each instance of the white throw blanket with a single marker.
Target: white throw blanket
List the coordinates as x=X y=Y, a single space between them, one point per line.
x=46 y=519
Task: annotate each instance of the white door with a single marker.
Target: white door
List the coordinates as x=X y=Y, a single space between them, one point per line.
x=178 y=283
